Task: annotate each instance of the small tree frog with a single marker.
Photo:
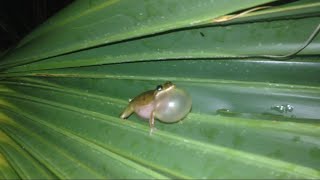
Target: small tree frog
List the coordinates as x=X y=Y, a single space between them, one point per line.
x=166 y=103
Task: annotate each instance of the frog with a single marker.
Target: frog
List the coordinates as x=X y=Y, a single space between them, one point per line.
x=166 y=102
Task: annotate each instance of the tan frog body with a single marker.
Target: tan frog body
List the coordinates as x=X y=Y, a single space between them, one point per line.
x=166 y=103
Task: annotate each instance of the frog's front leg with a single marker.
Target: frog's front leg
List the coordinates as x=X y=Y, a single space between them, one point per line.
x=151 y=123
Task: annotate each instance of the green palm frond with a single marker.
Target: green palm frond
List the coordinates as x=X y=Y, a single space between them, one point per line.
x=64 y=86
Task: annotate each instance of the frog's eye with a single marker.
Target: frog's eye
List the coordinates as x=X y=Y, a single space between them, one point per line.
x=159 y=88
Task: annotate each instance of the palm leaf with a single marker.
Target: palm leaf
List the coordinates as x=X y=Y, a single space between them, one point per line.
x=64 y=86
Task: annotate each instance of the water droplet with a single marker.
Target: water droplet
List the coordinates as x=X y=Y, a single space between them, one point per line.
x=223 y=110
x=289 y=108
x=283 y=108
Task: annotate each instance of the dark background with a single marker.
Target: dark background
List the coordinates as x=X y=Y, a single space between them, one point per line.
x=19 y=17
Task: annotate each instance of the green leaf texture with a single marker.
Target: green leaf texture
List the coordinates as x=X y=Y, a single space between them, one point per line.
x=63 y=87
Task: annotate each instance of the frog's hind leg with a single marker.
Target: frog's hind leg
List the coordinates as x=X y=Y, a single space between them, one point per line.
x=127 y=112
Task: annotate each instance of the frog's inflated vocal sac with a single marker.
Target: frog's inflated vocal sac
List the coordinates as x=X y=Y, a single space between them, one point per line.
x=166 y=103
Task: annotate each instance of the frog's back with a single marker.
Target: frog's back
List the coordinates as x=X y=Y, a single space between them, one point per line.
x=143 y=104
x=143 y=99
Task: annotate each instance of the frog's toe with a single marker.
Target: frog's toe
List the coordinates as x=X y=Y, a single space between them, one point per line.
x=152 y=130
x=180 y=122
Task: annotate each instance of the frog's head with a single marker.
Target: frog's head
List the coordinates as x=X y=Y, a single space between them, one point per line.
x=165 y=88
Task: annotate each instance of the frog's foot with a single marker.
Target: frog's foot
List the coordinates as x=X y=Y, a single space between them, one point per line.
x=180 y=122
x=127 y=112
x=152 y=130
